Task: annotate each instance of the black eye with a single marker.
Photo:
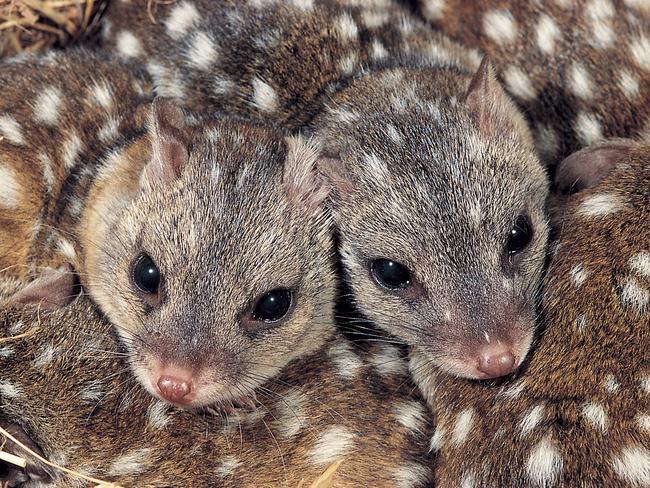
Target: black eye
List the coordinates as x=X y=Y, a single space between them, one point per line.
x=390 y=274
x=272 y=306
x=146 y=275
x=520 y=236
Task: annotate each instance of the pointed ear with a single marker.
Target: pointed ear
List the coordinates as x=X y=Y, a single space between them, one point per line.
x=303 y=183
x=587 y=167
x=493 y=110
x=55 y=288
x=169 y=153
x=335 y=172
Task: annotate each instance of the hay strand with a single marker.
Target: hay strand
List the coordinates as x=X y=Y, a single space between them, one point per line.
x=11 y=459
x=34 y=25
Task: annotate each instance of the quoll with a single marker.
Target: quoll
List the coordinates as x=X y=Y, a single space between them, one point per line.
x=202 y=241
x=577 y=414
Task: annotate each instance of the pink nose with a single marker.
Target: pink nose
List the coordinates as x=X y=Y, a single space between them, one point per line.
x=496 y=362
x=174 y=389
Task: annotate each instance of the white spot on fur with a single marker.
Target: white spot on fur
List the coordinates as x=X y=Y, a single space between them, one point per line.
x=600 y=13
x=595 y=413
x=66 y=248
x=11 y=130
x=181 y=18
x=373 y=18
x=6 y=352
x=588 y=128
x=640 y=49
x=600 y=205
x=438 y=439
x=514 y=390
x=10 y=190
x=71 y=149
x=158 y=414
x=110 y=130
x=265 y=97
x=128 y=45
x=633 y=465
x=167 y=82
x=333 y=444
x=345 y=116
x=131 y=463
x=202 y=52
x=412 y=415
x=645 y=384
x=643 y=421
x=45 y=357
x=376 y=167
x=346 y=362
x=640 y=263
x=9 y=391
x=611 y=385
x=546 y=140
x=378 y=50
x=347 y=28
x=411 y=475
x=303 y=4
x=532 y=419
x=227 y=467
x=349 y=63
x=578 y=275
x=47 y=106
x=103 y=94
x=580 y=81
x=388 y=361
x=433 y=9
x=633 y=295
x=547 y=33
x=500 y=26
x=544 y=464
x=468 y=480
x=291 y=417
x=463 y=425
x=628 y=84
x=518 y=83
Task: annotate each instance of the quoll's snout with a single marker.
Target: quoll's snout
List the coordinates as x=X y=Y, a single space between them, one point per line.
x=496 y=360
x=175 y=384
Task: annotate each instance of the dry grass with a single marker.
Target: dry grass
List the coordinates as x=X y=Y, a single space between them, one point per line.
x=34 y=25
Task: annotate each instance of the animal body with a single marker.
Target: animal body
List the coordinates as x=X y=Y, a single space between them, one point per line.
x=438 y=194
x=577 y=413
x=579 y=70
x=202 y=241
x=341 y=403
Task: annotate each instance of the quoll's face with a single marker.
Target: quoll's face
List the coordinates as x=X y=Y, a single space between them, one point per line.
x=443 y=238
x=219 y=280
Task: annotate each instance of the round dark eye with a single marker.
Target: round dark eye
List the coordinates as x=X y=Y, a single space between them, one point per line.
x=146 y=275
x=390 y=274
x=272 y=306
x=520 y=236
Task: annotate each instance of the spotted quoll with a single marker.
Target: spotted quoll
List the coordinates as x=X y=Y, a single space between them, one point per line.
x=578 y=414
x=202 y=240
x=437 y=192
x=65 y=390
x=580 y=70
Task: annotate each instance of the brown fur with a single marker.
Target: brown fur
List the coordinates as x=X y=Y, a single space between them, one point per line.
x=338 y=403
x=600 y=43
x=577 y=414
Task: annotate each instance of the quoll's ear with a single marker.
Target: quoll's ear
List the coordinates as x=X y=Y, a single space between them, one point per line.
x=587 y=167
x=168 y=143
x=304 y=184
x=55 y=288
x=495 y=113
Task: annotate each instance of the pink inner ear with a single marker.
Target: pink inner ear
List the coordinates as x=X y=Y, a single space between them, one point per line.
x=333 y=169
x=168 y=143
x=54 y=289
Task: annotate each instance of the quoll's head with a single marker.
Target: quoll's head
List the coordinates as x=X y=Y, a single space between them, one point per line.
x=440 y=204
x=216 y=264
